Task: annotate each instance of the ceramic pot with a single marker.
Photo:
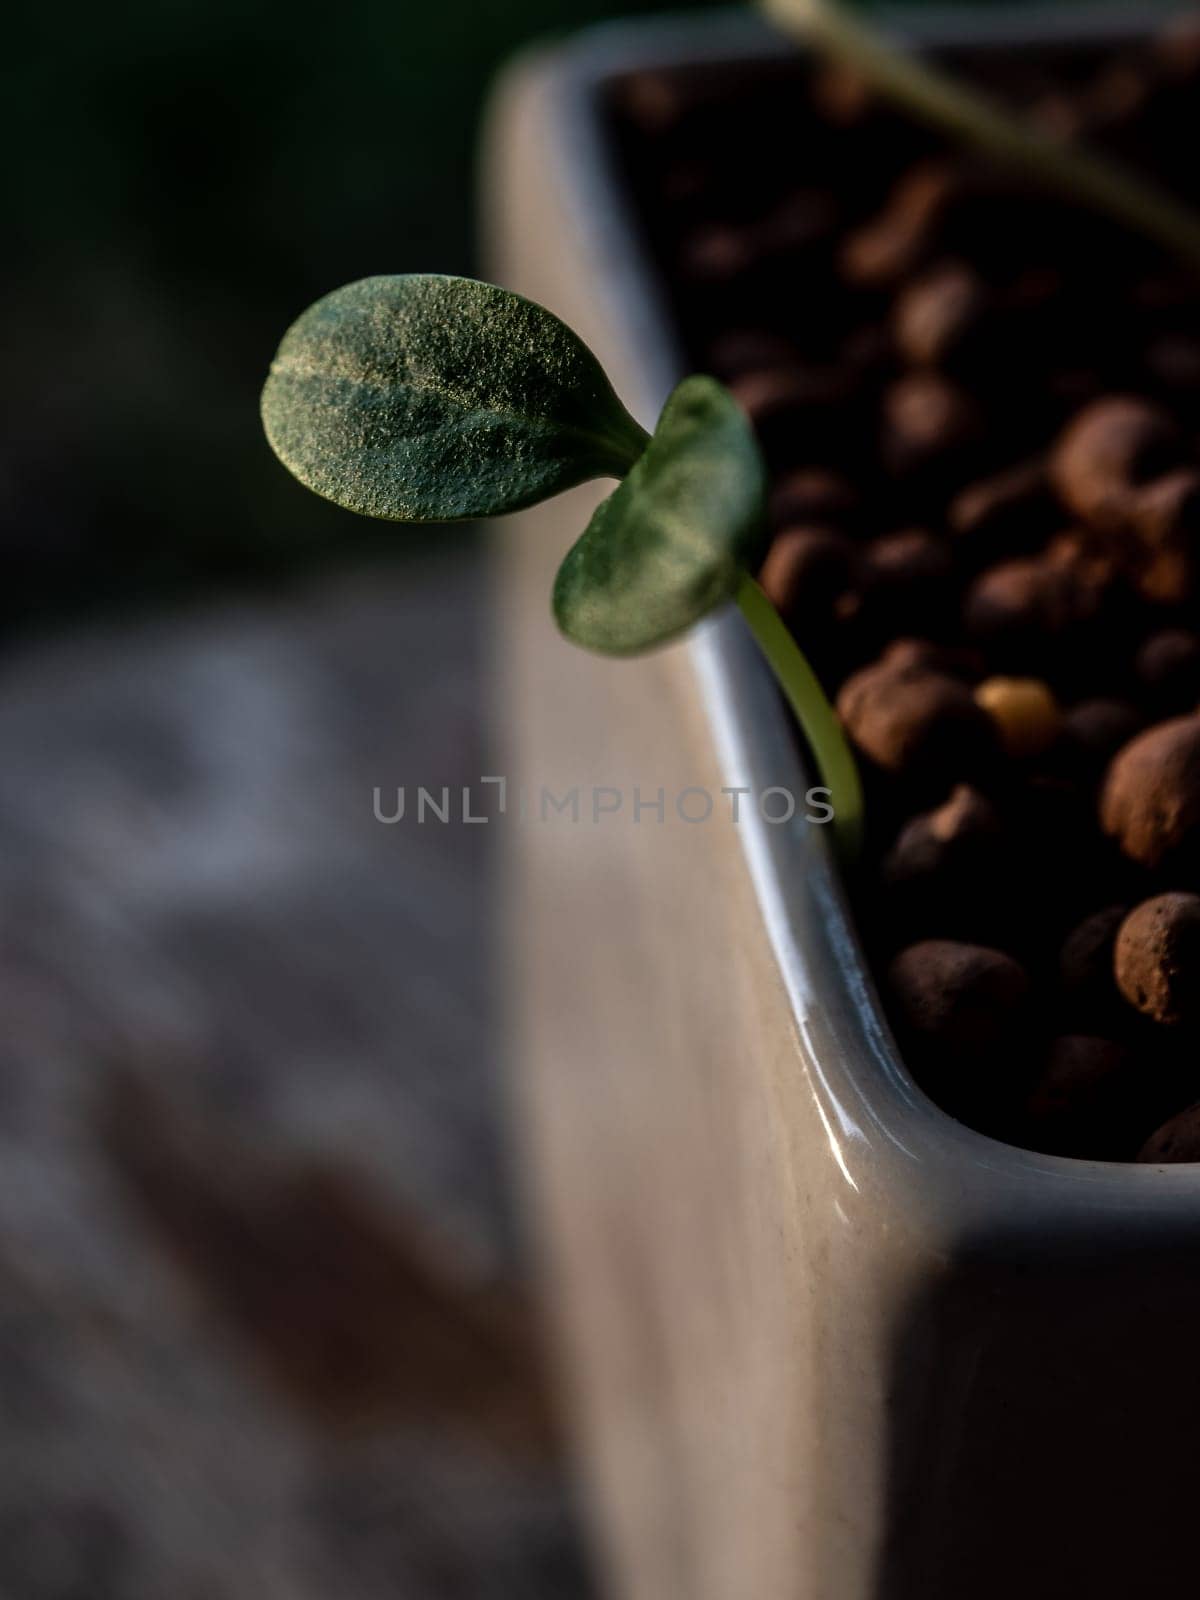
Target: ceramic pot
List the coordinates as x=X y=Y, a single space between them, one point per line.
x=819 y=1340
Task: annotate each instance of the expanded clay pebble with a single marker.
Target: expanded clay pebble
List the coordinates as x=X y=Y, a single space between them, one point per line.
x=1081 y=1102
x=1176 y=1141
x=1025 y=712
x=928 y=422
x=905 y=576
x=938 y=841
x=1168 y=509
x=784 y=403
x=719 y=252
x=894 y=243
x=938 y=317
x=653 y=101
x=842 y=96
x=959 y=997
x=913 y=721
x=958 y=661
x=1150 y=797
x=805 y=571
x=1157 y=958
x=1113 y=448
x=908 y=560
x=1093 y=731
x=1085 y=962
x=1021 y=610
x=947 y=870
x=1168 y=665
x=1165 y=515
x=1007 y=515
x=812 y=495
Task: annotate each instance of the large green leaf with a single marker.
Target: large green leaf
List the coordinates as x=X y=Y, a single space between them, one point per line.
x=430 y=399
x=671 y=542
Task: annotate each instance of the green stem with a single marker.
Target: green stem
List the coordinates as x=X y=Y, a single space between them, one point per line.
x=973 y=117
x=817 y=719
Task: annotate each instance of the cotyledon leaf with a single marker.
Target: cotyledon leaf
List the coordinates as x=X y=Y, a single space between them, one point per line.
x=424 y=398
x=672 y=541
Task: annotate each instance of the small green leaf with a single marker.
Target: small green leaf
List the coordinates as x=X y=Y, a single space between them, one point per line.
x=672 y=540
x=431 y=399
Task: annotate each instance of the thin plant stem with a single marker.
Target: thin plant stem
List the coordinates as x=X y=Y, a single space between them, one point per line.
x=818 y=721
x=977 y=119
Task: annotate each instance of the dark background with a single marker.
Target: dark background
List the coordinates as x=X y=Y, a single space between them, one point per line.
x=183 y=179
x=266 y=1329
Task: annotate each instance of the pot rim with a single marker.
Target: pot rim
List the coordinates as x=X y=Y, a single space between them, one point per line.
x=884 y=1131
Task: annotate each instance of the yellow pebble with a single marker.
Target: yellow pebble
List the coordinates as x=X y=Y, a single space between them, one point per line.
x=1026 y=714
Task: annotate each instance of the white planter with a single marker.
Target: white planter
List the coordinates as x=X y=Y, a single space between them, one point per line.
x=821 y=1341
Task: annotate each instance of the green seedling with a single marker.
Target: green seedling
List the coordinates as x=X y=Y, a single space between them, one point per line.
x=434 y=399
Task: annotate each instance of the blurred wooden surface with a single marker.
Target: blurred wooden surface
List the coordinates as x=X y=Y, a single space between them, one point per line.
x=262 y=1329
